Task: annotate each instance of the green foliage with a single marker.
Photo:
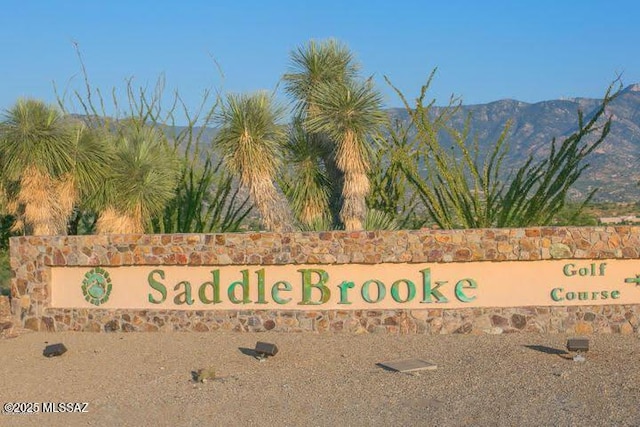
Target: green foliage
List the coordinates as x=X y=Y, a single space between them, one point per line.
x=206 y=199
x=82 y=222
x=342 y=108
x=250 y=136
x=5 y=272
x=206 y=202
x=144 y=174
x=317 y=62
x=50 y=162
x=34 y=134
x=348 y=114
x=335 y=176
x=305 y=183
x=6 y=221
x=92 y=155
x=379 y=220
x=251 y=140
x=461 y=190
x=391 y=192
x=183 y=189
x=575 y=214
x=339 y=113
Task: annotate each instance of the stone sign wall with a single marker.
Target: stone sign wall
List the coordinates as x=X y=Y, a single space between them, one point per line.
x=423 y=281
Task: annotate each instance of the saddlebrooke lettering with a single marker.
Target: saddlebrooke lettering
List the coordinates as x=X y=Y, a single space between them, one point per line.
x=314 y=289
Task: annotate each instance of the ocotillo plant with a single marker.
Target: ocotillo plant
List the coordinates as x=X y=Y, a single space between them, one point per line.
x=460 y=190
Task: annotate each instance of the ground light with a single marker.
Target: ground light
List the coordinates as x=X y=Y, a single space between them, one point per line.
x=54 y=350
x=264 y=350
x=579 y=346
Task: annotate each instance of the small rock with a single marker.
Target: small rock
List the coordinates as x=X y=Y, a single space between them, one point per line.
x=563 y=375
x=5 y=325
x=559 y=250
x=518 y=321
x=579 y=358
x=206 y=374
x=583 y=328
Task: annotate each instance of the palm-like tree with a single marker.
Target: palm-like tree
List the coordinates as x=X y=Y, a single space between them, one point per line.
x=142 y=180
x=308 y=186
x=49 y=162
x=251 y=140
x=93 y=157
x=316 y=63
x=348 y=113
x=339 y=113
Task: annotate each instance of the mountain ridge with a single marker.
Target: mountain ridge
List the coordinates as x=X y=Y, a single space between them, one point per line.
x=535 y=125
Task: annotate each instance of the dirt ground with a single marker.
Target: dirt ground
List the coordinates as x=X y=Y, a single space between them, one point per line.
x=138 y=379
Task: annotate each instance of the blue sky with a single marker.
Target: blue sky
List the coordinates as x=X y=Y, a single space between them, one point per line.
x=484 y=50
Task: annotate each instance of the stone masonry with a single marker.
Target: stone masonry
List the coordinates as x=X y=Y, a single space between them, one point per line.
x=32 y=257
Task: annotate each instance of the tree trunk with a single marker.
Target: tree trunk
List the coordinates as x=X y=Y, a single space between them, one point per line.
x=351 y=160
x=275 y=211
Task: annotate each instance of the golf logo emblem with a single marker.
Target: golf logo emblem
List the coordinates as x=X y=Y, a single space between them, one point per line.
x=96 y=286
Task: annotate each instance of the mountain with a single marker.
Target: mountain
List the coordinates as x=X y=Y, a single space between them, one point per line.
x=533 y=127
x=612 y=167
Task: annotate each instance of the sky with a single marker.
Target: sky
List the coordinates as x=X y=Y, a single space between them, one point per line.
x=484 y=50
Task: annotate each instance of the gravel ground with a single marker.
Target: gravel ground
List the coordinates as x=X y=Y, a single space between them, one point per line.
x=138 y=379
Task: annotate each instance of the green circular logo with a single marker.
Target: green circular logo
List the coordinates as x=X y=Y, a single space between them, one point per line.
x=96 y=286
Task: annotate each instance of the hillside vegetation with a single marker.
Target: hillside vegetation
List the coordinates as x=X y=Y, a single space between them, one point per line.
x=331 y=159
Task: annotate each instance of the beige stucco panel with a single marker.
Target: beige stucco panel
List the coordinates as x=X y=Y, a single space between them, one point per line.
x=497 y=284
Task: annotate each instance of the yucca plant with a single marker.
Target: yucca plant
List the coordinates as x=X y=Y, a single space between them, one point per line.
x=206 y=199
x=380 y=220
x=251 y=140
x=327 y=61
x=50 y=162
x=349 y=114
x=315 y=63
x=307 y=184
x=141 y=182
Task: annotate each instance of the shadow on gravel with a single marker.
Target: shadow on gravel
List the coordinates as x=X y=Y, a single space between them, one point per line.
x=547 y=350
x=386 y=368
x=248 y=352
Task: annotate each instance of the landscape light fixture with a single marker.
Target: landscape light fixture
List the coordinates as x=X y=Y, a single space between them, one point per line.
x=265 y=349
x=579 y=346
x=54 y=350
